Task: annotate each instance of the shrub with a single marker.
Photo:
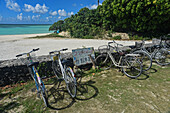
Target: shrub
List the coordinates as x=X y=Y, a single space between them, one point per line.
x=117 y=37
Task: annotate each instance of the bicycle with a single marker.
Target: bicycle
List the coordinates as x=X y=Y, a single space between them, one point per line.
x=129 y=64
x=34 y=74
x=63 y=72
x=145 y=58
x=159 y=52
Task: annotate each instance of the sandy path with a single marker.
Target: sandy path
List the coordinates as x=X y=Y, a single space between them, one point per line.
x=11 y=46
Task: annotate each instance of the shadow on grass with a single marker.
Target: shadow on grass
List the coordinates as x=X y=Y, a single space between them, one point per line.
x=86 y=91
x=8 y=106
x=145 y=74
x=59 y=98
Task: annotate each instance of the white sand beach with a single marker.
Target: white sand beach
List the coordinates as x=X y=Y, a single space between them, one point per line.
x=11 y=45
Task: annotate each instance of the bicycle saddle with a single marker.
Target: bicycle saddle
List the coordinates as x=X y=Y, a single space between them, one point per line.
x=32 y=64
x=132 y=47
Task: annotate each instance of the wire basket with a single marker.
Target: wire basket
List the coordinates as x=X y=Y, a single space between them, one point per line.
x=156 y=41
x=138 y=44
x=103 y=49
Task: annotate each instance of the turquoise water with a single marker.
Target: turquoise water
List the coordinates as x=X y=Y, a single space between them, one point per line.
x=16 y=29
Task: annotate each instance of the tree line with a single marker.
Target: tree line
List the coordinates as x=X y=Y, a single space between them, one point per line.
x=142 y=17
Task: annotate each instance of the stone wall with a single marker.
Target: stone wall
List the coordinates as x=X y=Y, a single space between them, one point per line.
x=15 y=71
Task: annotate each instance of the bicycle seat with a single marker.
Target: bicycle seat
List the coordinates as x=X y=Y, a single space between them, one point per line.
x=109 y=43
x=32 y=64
x=132 y=47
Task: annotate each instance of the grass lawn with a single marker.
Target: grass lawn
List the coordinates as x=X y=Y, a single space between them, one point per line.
x=103 y=92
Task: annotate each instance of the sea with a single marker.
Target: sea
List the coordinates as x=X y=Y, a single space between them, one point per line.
x=17 y=29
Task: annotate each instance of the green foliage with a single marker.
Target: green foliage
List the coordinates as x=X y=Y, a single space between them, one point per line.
x=50 y=35
x=85 y=24
x=45 y=69
x=117 y=37
x=57 y=25
x=146 y=18
x=87 y=37
x=109 y=34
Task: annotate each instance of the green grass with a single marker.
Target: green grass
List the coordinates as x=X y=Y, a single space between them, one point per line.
x=103 y=92
x=52 y=35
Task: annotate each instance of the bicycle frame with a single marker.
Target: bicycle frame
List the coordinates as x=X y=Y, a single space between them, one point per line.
x=57 y=57
x=118 y=64
x=36 y=75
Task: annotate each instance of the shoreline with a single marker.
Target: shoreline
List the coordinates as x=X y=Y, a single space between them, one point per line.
x=20 y=36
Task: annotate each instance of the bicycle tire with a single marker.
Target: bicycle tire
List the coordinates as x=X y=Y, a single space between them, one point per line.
x=71 y=82
x=104 y=62
x=136 y=69
x=145 y=58
x=56 y=69
x=162 y=57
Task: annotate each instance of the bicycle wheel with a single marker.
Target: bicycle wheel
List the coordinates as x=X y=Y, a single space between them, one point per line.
x=145 y=59
x=162 y=57
x=104 y=62
x=56 y=69
x=70 y=82
x=131 y=66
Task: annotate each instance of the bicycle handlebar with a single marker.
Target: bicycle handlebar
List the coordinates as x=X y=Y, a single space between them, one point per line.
x=36 y=49
x=58 y=50
x=28 y=52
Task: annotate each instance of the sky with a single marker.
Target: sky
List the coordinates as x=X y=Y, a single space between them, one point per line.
x=41 y=11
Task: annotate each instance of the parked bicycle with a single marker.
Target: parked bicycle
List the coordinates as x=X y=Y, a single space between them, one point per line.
x=129 y=64
x=159 y=52
x=34 y=74
x=145 y=58
x=63 y=71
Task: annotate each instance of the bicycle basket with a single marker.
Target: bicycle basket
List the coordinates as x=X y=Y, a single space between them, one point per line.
x=138 y=44
x=156 y=41
x=103 y=49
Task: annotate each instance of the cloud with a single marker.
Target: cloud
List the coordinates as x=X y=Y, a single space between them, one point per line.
x=40 y=9
x=49 y=18
x=19 y=16
x=62 y=12
x=81 y=4
x=12 y=5
x=1 y=18
x=93 y=6
x=28 y=8
x=54 y=13
x=74 y=4
x=27 y=18
x=59 y=17
x=70 y=13
x=36 y=17
x=37 y=9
